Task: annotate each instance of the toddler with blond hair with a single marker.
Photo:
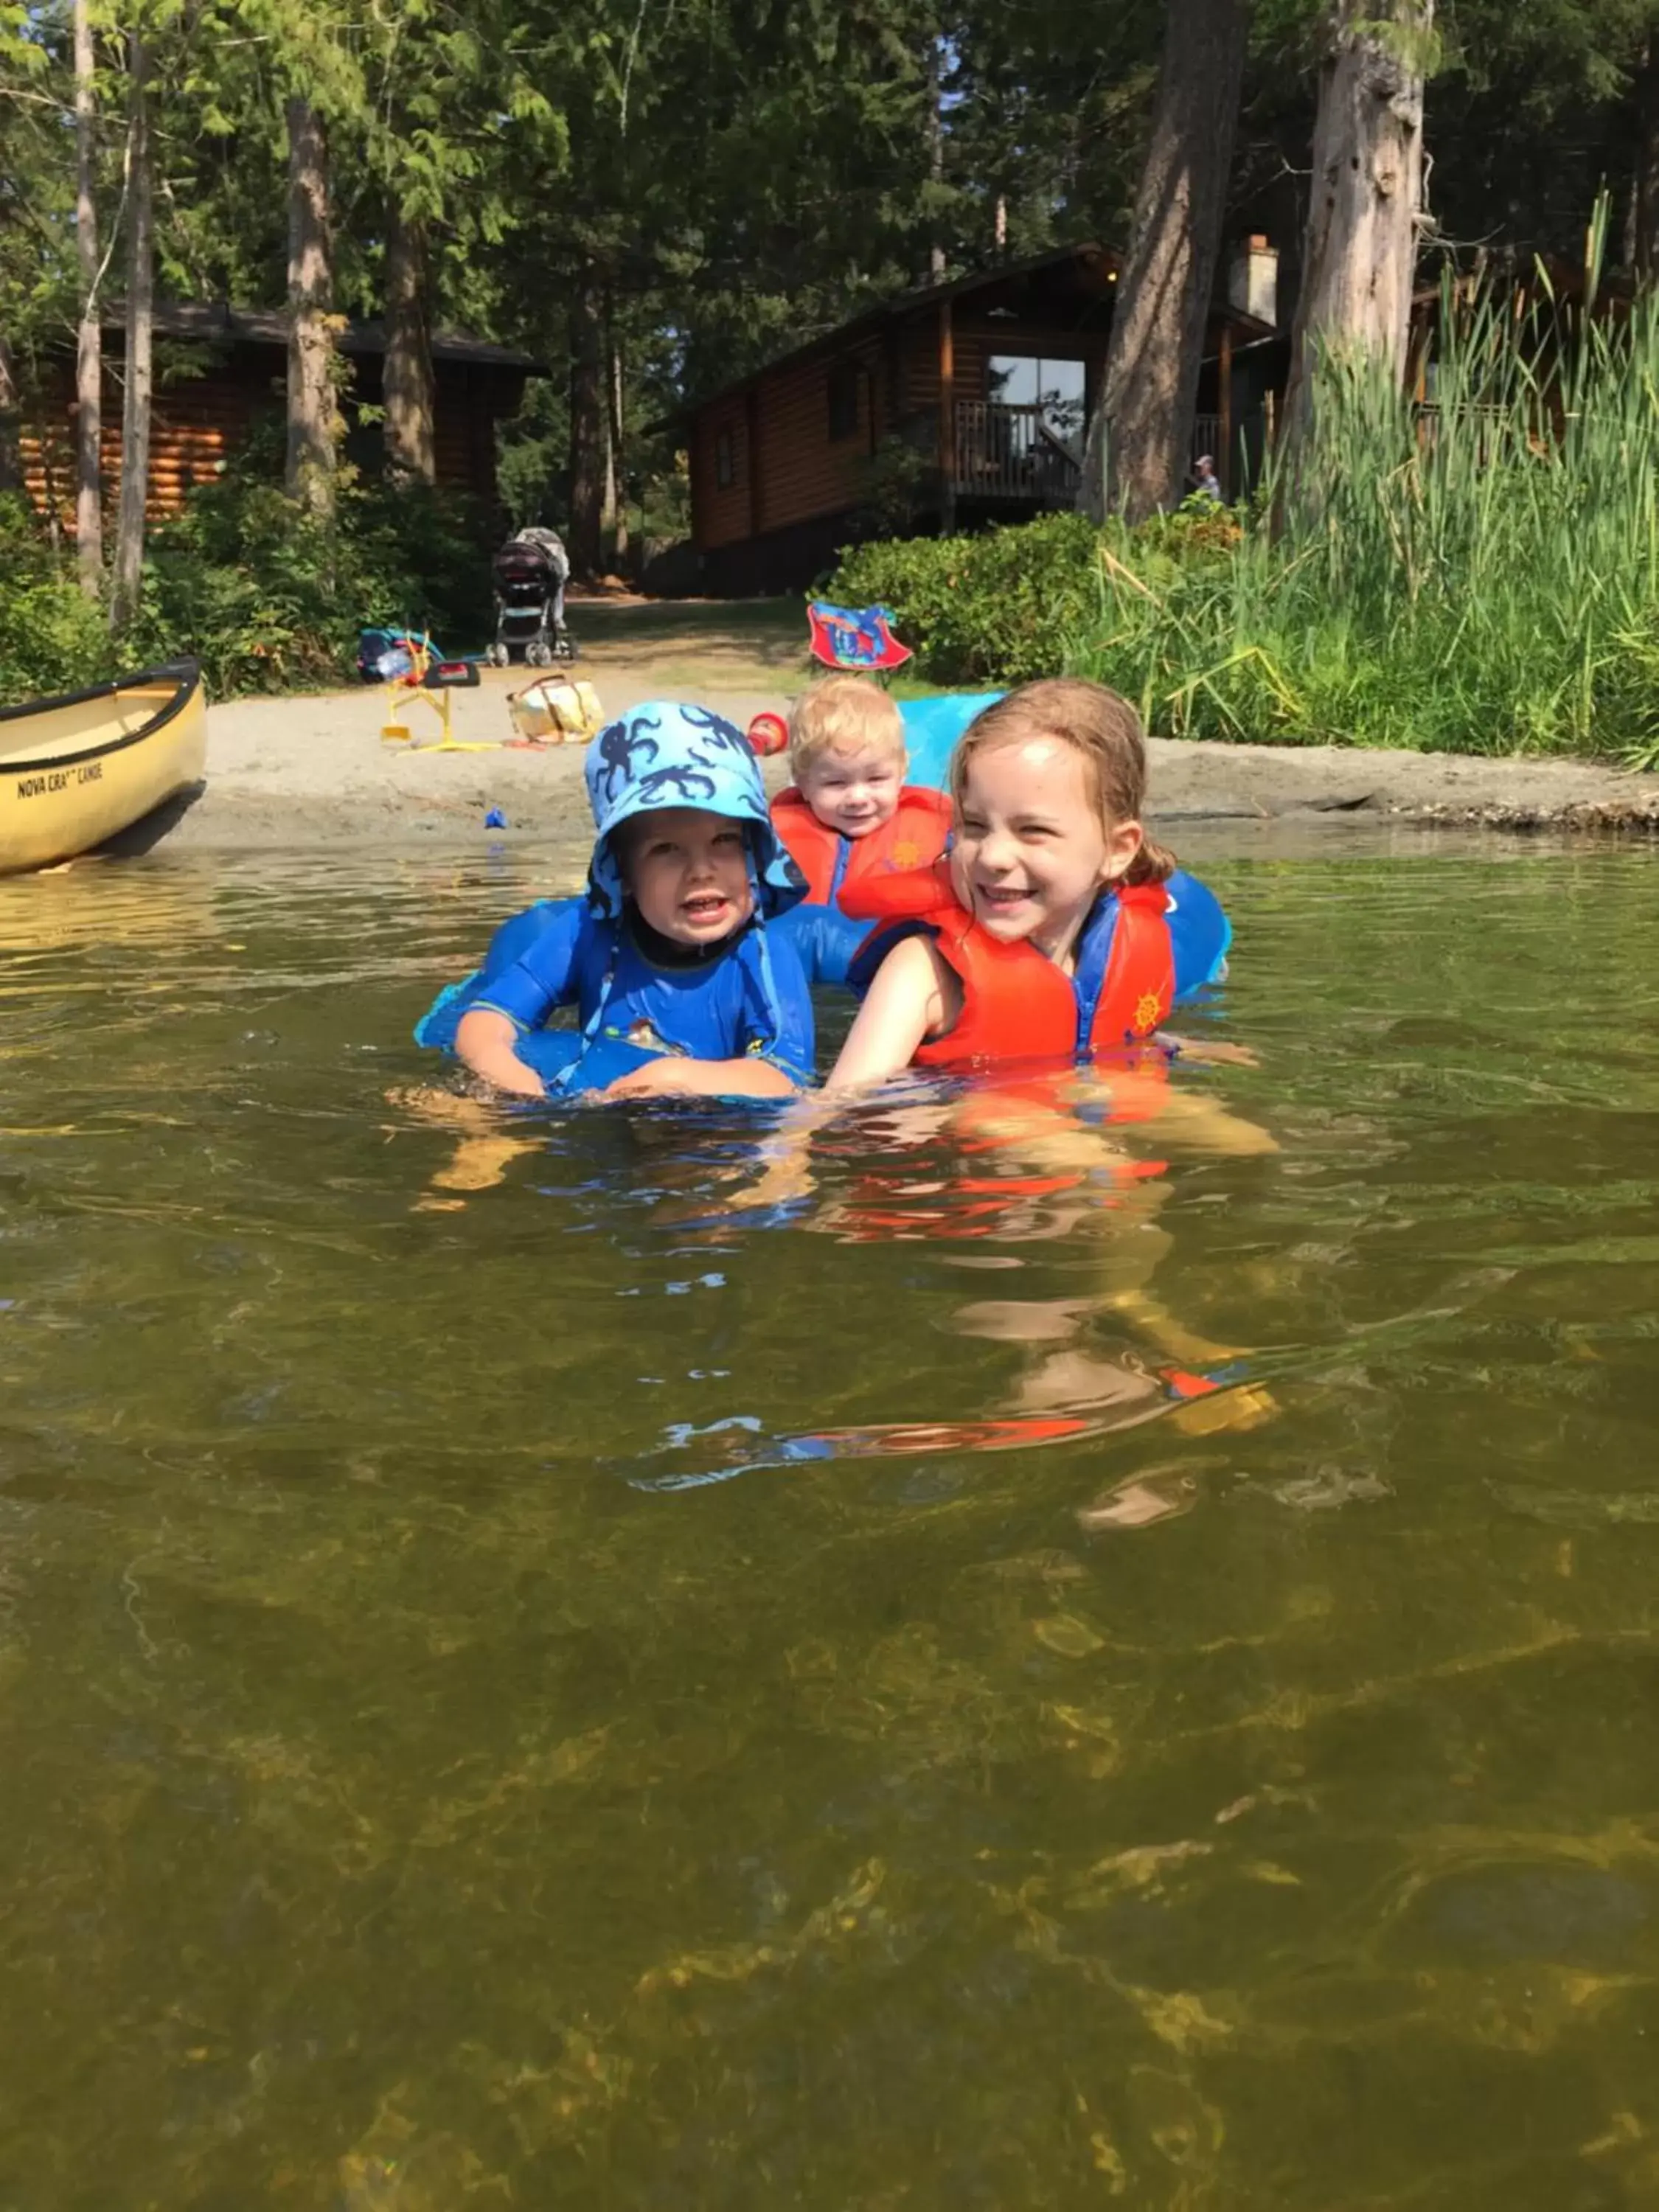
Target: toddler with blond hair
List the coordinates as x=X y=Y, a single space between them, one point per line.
x=849 y=814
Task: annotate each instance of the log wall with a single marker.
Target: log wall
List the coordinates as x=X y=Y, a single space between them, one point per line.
x=199 y=421
x=786 y=468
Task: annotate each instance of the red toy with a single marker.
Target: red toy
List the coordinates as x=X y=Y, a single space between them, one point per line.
x=768 y=734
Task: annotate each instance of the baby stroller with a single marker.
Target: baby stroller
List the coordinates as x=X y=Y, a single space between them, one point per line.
x=530 y=572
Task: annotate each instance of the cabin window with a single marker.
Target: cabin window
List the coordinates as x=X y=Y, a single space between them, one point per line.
x=844 y=379
x=1055 y=388
x=726 y=472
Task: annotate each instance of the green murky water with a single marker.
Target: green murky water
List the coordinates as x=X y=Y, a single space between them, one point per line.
x=521 y=1688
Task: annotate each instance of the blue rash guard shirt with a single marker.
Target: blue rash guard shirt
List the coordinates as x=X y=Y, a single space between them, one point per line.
x=749 y=997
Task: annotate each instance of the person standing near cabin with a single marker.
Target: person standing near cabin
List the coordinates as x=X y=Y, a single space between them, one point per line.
x=1207 y=484
x=849 y=814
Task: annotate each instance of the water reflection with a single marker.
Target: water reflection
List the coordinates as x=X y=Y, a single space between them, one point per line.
x=1042 y=1158
x=1033 y=1795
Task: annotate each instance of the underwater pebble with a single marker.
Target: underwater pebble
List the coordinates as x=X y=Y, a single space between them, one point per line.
x=1065 y=1633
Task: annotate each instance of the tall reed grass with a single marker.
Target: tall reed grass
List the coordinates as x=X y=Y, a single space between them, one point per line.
x=1476 y=574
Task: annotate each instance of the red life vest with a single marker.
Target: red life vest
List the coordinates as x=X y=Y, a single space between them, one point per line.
x=1017 y=1004
x=914 y=837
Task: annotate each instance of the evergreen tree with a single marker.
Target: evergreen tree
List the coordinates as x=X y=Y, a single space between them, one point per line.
x=310 y=466
x=31 y=117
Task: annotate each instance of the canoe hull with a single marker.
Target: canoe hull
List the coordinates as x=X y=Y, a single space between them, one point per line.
x=77 y=770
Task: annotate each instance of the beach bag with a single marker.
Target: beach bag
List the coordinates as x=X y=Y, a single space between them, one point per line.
x=556 y=711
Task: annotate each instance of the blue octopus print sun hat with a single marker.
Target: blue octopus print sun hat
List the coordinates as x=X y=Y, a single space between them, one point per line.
x=664 y=754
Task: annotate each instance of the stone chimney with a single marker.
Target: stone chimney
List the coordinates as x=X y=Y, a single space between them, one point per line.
x=1253 y=279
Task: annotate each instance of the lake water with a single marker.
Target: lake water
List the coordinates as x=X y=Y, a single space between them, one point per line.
x=1025 y=1677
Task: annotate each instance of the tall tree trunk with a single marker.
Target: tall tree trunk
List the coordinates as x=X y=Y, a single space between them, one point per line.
x=1644 y=199
x=11 y=466
x=585 y=536
x=1136 y=453
x=309 y=474
x=54 y=498
x=411 y=438
x=614 y=450
x=88 y=345
x=1366 y=194
x=936 y=264
x=136 y=402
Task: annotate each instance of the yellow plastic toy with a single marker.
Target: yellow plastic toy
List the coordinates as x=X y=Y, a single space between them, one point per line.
x=427 y=682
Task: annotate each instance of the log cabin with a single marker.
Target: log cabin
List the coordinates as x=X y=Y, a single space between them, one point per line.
x=221 y=370
x=978 y=393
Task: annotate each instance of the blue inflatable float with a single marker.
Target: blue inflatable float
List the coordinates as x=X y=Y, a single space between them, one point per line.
x=931 y=728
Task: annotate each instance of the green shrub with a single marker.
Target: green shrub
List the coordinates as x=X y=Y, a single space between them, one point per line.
x=995 y=609
x=253 y=585
x=51 y=639
x=268 y=599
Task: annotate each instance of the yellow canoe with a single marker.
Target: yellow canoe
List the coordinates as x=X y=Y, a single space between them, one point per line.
x=76 y=770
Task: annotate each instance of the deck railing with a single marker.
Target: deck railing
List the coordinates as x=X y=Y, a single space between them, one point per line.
x=1207 y=438
x=1007 y=452
x=1011 y=452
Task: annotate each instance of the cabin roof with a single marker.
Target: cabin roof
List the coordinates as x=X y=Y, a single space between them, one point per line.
x=215 y=322
x=1095 y=264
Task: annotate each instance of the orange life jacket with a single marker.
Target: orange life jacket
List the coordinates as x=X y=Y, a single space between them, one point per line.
x=1017 y=1004
x=914 y=837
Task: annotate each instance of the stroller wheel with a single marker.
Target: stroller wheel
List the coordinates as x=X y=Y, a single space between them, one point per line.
x=497 y=655
x=537 y=655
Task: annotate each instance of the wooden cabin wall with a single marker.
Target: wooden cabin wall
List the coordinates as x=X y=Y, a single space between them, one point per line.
x=785 y=412
x=197 y=424
x=719 y=513
x=469 y=398
x=802 y=472
x=786 y=467
x=199 y=421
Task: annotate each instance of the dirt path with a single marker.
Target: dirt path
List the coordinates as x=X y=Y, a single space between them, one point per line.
x=312 y=770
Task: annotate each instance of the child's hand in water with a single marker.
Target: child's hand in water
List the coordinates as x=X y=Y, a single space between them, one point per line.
x=675 y=1077
x=1208 y=1052
x=515 y=1083
x=669 y=1077
x=486 y=1042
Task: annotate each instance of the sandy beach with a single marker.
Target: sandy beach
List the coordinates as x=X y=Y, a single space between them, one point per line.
x=316 y=771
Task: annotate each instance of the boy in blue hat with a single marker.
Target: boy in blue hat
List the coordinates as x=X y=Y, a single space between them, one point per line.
x=680 y=988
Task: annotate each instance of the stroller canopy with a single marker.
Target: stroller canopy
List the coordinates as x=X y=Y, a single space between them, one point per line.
x=534 y=554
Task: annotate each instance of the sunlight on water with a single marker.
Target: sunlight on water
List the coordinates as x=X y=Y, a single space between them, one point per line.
x=1064 y=1656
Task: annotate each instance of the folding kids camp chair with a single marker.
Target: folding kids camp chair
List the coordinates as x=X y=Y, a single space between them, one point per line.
x=857 y=638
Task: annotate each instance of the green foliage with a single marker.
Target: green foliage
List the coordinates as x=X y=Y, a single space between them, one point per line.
x=899 y=480
x=268 y=598
x=998 y=608
x=726 y=177
x=51 y=639
x=1482 y=577
x=264 y=595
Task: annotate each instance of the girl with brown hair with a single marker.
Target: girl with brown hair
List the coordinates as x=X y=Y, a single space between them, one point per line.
x=1045 y=934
